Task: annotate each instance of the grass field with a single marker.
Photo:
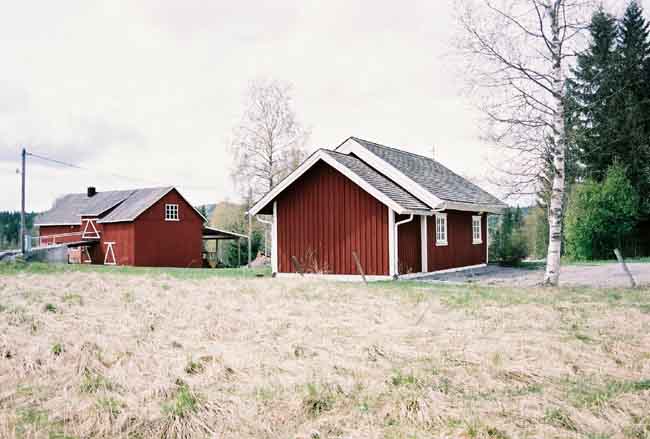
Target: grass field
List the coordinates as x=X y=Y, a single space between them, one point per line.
x=154 y=353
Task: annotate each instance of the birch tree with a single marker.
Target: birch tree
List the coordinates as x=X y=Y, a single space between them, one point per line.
x=269 y=141
x=519 y=52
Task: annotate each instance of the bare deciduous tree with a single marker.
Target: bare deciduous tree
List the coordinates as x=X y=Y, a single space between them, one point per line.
x=269 y=142
x=519 y=52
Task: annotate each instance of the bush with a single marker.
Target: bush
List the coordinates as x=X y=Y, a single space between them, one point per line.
x=508 y=242
x=600 y=215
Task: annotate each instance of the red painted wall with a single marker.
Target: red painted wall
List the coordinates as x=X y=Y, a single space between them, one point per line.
x=409 y=243
x=460 y=251
x=123 y=235
x=160 y=243
x=149 y=240
x=45 y=231
x=323 y=217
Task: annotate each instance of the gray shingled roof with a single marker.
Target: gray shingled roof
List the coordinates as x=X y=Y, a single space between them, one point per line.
x=127 y=206
x=431 y=175
x=103 y=201
x=379 y=182
x=139 y=201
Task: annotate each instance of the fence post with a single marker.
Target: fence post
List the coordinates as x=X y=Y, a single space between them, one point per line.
x=297 y=266
x=359 y=267
x=627 y=271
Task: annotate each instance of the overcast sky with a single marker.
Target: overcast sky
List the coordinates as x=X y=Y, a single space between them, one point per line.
x=152 y=89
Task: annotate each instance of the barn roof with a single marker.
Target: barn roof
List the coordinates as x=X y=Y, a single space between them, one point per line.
x=379 y=181
x=433 y=176
x=139 y=201
x=126 y=206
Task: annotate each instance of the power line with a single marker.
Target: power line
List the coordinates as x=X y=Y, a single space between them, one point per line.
x=112 y=174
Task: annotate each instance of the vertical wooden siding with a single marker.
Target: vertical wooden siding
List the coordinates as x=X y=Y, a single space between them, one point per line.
x=123 y=235
x=160 y=243
x=460 y=251
x=323 y=217
x=409 y=245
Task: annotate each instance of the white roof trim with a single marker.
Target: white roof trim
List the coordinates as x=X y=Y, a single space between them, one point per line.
x=383 y=167
x=470 y=207
x=57 y=224
x=222 y=231
x=144 y=209
x=311 y=161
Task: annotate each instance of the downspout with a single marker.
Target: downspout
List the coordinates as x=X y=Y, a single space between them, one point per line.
x=397 y=224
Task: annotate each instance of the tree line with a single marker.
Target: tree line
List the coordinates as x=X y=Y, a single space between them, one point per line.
x=10 y=228
x=564 y=88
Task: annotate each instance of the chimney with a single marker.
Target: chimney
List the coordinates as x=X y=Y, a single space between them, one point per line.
x=91 y=191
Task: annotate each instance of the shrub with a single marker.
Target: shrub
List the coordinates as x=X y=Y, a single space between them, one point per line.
x=49 y=307
x=600 y=215
x=508 y=242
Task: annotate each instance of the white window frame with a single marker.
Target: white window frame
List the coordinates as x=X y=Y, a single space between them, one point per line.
x=476 y=221
x=440 y=239
x=171 y=212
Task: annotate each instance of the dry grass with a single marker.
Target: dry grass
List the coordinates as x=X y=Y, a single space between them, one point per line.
x=91 y=354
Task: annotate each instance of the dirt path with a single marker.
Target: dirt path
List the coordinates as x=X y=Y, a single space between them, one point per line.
x=597 y=275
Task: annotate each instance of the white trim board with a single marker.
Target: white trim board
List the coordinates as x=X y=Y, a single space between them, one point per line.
x=383 y=167
x=333 y=277
x=311 y=161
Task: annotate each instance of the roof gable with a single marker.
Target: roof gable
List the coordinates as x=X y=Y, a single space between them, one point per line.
x=373 y=182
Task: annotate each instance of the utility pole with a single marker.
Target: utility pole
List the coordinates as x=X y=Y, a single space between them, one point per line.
x=23 y=232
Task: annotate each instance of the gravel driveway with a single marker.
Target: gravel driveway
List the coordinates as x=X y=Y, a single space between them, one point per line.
x=597 y=275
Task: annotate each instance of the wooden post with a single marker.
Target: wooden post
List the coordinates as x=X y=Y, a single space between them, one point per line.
x=359 y=267
x=297 y=266
x=627 y=271
x=250 y=238
x=23 y=229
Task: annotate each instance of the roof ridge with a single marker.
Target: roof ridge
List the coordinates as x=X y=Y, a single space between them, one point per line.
x=399 y=150
x=424 y=157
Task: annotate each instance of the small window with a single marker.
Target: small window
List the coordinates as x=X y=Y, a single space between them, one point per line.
x=171 y=212
x=476 y=230
x=441 y=229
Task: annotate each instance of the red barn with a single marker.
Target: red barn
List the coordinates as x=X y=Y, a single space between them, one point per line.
x=153 y=227
x=398 y=212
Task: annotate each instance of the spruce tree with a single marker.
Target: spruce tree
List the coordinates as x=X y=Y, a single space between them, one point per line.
x=633 y=102
x=591 y=94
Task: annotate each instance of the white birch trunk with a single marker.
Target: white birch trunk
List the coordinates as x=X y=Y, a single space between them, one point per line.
x=555 y=213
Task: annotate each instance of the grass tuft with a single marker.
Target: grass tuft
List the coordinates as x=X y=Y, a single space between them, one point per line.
x=319 y=399
x=57 y=349
x=184 y=403
x=559 y=418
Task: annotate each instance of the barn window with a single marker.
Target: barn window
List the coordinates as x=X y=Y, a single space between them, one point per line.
x=171 y=212
x=441 y=229
x=476 y=230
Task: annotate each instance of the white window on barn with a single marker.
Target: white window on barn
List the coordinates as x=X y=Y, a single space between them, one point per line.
x=171 y=212
x=441 y=229
x=476 y=230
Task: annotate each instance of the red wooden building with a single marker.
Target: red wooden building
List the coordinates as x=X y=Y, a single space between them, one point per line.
x=400 y=213
x=154 y=227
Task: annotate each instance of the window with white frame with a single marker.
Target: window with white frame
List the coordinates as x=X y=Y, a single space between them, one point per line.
x=171 y=212
x=476 y=230
x=441 y=229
